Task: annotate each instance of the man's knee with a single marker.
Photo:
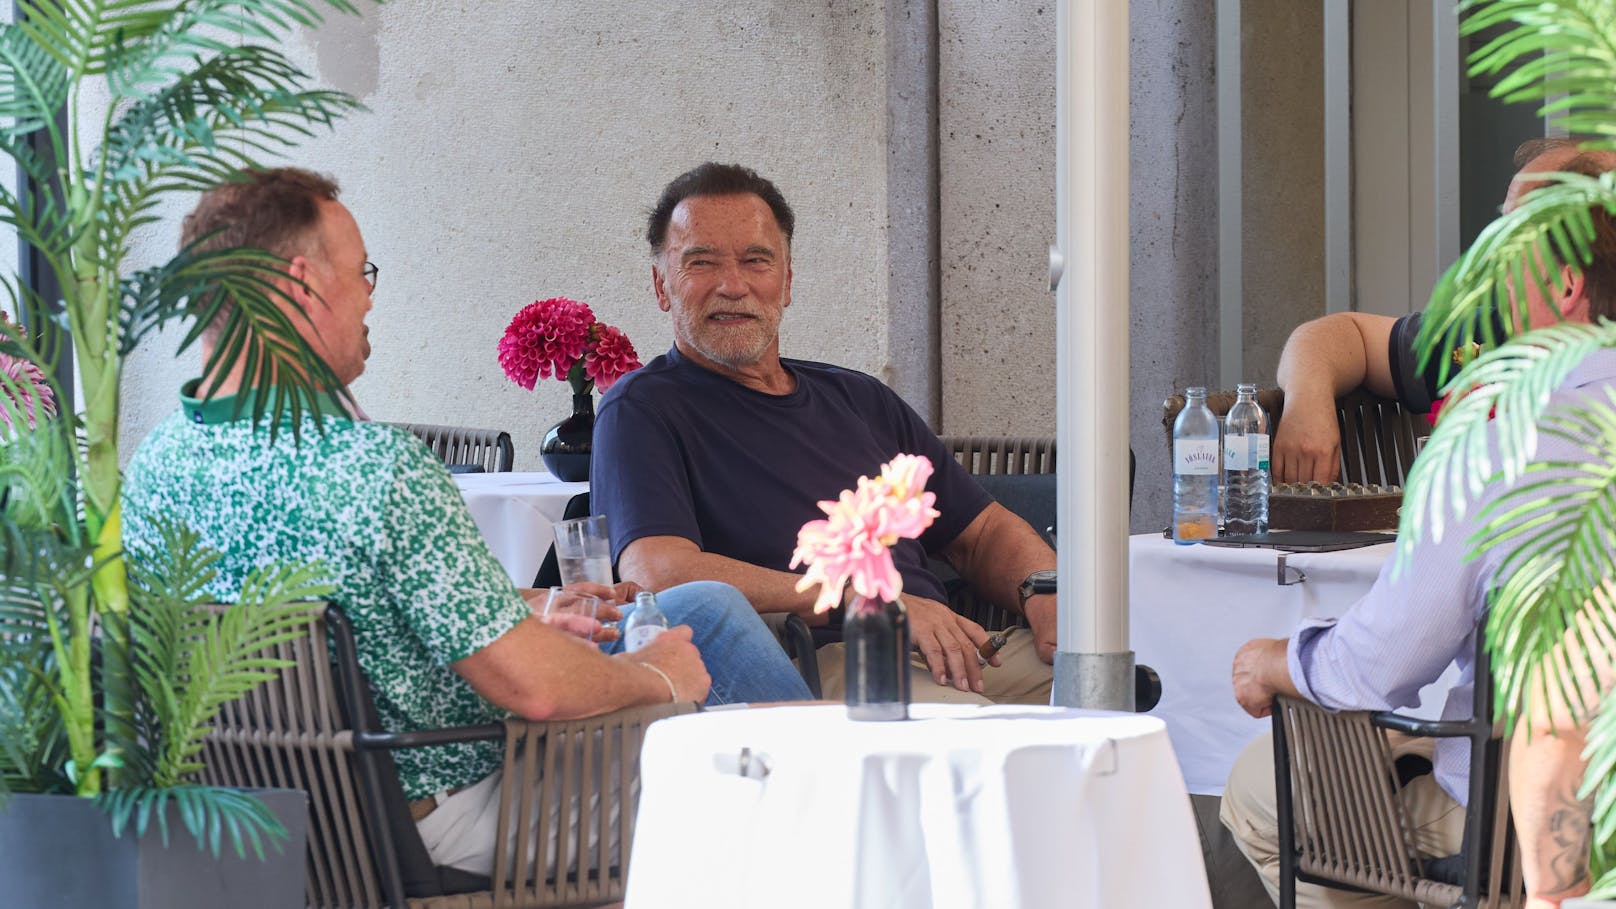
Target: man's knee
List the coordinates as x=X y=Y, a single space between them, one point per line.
x=1248 y=799
x=706 y=603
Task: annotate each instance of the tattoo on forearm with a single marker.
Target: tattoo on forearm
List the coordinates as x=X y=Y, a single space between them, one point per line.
x=1570 y=833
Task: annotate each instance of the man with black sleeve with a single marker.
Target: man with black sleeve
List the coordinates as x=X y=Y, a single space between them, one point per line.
x=1330 y=356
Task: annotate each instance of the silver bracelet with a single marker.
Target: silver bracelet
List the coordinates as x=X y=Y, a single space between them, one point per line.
x=673 y=693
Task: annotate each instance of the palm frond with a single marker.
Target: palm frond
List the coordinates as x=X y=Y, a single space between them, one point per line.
x=208 y=813
x=1601 y=753
x=1492 y=428
x=1477 y=296
x=189 y=660
x=33 y=84
x=1558 y=52
x=241 y=291
x=1560 y=529
x=148 y=50
x=203 y=125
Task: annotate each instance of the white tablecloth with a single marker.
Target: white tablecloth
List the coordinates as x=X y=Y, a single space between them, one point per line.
x=514 y=511
x=1191 y=607
x=962 y=806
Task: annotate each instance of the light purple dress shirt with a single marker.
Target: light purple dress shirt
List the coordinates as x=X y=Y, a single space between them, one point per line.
x=1411 y=625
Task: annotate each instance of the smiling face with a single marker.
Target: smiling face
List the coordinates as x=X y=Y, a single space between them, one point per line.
x=725 y=275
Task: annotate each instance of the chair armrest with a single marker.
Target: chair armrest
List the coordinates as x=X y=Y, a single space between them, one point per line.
x=793 y=634
x=1431 y=729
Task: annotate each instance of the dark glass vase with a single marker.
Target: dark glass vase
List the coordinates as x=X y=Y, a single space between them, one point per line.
x=877 y=636
x=567 y=445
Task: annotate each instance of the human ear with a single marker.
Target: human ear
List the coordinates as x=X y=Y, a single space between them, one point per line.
x=658 y=284
x=1573 y=300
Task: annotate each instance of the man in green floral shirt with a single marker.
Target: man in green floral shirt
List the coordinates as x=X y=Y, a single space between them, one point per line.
x=443 y=636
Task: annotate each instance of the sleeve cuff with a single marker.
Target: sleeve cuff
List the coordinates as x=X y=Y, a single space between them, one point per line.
x=1299 y=653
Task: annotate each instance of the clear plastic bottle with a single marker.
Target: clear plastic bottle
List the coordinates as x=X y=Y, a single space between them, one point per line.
x=1245 y=464
x=644 y=623
x=1196 y=454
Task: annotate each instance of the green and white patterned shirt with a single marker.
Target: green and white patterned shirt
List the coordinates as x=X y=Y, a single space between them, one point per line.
x=370 y=501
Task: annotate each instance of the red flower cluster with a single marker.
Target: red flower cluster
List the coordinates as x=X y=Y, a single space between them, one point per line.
x=560 y=337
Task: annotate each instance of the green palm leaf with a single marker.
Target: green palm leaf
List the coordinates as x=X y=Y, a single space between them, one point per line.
x=189 y=660
x=257 y=330
x=1560 y=52
x=1551 y=227
x=207 y=812
x=206 y=124
x=1492 y=429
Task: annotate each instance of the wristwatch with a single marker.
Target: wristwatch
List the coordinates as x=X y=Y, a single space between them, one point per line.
x=1039 y=582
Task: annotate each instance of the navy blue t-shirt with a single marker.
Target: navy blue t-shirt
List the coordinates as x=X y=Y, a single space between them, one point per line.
x=682 y=451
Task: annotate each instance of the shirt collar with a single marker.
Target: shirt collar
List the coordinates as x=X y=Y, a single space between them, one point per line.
x=228 y=408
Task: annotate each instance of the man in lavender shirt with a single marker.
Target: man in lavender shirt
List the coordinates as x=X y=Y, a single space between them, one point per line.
x=1409 y=627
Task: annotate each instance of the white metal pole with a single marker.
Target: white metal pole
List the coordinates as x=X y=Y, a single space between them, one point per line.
x=1093 y=665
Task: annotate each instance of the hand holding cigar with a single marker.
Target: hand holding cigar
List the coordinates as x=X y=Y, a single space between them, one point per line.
x=992 y=645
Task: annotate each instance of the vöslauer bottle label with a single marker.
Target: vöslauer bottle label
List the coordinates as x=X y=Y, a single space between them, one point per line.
x=1248 y=452
x=1195 y=456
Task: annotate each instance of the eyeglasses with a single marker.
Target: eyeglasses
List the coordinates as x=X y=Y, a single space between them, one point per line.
x=369 y=272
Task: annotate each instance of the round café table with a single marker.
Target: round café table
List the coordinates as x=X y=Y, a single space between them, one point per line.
x=964 y=806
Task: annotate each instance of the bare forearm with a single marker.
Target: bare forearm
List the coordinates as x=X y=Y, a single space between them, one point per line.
x=660 y=562
x=540 y=673
x=1552 y=823
x=996 y=552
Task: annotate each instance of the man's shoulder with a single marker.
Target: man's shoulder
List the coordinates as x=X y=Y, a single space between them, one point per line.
x=652 y=379
x=840 y=376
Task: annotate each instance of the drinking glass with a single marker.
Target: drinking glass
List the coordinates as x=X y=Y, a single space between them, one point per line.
x=572 y=612
x=584 y=551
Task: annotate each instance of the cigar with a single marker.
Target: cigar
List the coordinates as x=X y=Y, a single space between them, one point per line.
x=992 y=645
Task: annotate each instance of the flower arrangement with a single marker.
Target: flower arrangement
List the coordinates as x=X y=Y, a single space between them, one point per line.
x=562 y=338
x=854 y=541
x=25 y=395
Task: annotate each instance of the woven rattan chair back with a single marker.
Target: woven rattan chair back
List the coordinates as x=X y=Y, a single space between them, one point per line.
x=985 y=456
x=291 y=733
x=1003 y=455
x=490 y=449
x=1349 y=827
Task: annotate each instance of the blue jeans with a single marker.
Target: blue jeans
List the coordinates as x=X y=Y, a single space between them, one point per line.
x=742 y=655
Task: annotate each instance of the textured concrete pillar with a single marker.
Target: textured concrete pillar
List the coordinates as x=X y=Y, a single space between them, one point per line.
x=1173 y=227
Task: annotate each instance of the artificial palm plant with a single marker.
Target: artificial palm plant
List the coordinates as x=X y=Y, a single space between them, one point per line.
x=1552 y=589
x=111 y=671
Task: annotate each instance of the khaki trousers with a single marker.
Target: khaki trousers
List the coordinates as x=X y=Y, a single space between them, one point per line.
x=1020 y=677
x=1249 y=813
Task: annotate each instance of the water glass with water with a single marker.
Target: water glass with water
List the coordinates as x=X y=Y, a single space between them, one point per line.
x=584 y=550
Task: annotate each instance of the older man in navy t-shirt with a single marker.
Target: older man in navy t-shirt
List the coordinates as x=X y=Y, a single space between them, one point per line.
x=709 y=460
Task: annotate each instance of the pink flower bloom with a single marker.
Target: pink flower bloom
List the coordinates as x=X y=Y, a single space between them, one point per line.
x=853 y=543
x=29 y=391
x=25 y=387
x=545 y=338
x=560 y=337
x=611 y=357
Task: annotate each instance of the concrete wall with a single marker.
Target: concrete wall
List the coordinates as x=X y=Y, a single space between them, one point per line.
x=512 y=151
x=511 y=157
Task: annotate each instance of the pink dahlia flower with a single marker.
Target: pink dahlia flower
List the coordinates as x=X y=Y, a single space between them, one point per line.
x=25 y=387
x=611 y=357
x=545 y=339
x=852 y=544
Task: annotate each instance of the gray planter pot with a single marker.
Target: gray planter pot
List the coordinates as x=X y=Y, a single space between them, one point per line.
x=58 y=852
